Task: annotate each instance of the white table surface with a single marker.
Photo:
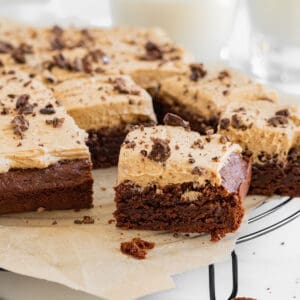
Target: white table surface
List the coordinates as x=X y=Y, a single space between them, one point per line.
x=269 y=266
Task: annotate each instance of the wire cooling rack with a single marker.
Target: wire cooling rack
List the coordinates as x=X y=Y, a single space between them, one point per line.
x=266 y=213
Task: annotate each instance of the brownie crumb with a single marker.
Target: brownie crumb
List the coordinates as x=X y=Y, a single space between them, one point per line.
x=121 y=86
x=237 y=122
x=23 y=106
x=85 y=220
x=224 y=123
x=136 y=248
x=197 y=71
x=175 y=120
x=198 y=171
x=19 y=124
x=278 y=120
x=47 y=110
x=160 y=151
x=54 y=222
x=111 y=221
x=153 y=52
x=55 y=122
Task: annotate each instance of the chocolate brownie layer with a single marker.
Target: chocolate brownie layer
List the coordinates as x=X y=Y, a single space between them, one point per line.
x=197 y=122
x=215 y=209
x=64 y=185
x=274 y=178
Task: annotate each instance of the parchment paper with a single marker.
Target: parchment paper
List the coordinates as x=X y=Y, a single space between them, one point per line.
x=87 y=257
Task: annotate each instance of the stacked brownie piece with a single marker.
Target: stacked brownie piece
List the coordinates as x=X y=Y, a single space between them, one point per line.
x=44 y=162
x=181 y=181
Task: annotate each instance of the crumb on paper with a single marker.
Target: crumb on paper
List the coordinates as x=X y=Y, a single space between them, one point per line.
x=136 y=248
x=111 y=221
x=54 y=222
x=85 y=220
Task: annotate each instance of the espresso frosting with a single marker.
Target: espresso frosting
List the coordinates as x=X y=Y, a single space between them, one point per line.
x=266 y=130
x=107 y=101
x=208 y=90
x=35 y=130
x=187 y=156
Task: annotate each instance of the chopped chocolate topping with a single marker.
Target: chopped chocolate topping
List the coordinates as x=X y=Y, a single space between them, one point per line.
x=175 y=120
x=224 y=123
x=198 y=144
x=48 y=110
x=136 y=248
x=283 y=112
x=198 y=171
x=225 y=92
x=197 y=72
x=237 y=122
x=223 y=74
x=216 y=159
x=153 y=52
x=19 y=124
x=23 y=106
x=224 y=139
x=61 y=62
x=6 y=47
x=278 y=120
x=121 y=86
x=18 y=54
x=129 y=145
x=191 y=160
x=160 y=151
x=144 y=153
x=4 y=111
x=85 y=220
x=55 y=122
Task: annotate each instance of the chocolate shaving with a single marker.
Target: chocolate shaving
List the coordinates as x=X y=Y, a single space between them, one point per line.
x=175 y=120
x=23 y=106
x=160 y=151
x=197 y=71
x=55 y=122
x=19 y=125
x=121 y=86
x=47 y=110
x=278 y=120
x=153 y=52
x=136 y=248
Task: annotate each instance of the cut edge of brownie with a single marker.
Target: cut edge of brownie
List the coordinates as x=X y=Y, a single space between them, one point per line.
x=104 y=144
x=67 y=184
x=198 y=123
x=277 y=178
x=216 y=210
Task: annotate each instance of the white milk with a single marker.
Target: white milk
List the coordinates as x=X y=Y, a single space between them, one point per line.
x=203 y=26
x=279 y=20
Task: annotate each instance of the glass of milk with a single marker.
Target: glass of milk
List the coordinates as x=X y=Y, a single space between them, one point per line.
x=202 y=26
x=275 y=40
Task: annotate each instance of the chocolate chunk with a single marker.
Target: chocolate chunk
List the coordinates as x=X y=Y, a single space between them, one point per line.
x=197 y=71
x=223 y=74
x=224 y=139
x=224 y=123
x=198 y=171
x=198 y=144
x=136 y=248
x=153 y=52
x=6 y=47
x=216 y=159
x=18 y=54
x=55 y=122
x=4 y=111
x=121 y=86
x=47 y=110
x=144 y=153
x=129 y=144
x=175 y=120
x=61 y=62
x=283 y=112
x=19 y=125
x=237 y=122
x=278 y=120
x=23 y=106
x=191 y=160
x=160 y=151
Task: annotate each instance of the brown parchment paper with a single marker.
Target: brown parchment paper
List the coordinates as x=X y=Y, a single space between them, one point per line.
x=87 y=257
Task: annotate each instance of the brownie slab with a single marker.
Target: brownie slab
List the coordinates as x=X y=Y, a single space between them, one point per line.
x=202 y=93
x=182 y=182
x=44 y=161
x=269 y=134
